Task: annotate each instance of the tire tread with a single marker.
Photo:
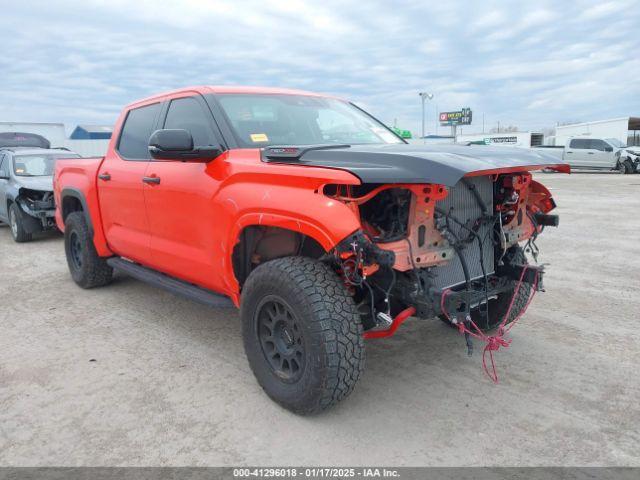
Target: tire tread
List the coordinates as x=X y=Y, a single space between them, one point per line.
x=95 y=270
x=334 y=321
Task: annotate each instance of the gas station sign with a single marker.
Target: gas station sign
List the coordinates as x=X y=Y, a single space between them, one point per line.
x=460 y=117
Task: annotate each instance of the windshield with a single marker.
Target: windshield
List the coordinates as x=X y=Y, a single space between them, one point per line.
x=615 y=142
x=262 y=120
x=37 y=165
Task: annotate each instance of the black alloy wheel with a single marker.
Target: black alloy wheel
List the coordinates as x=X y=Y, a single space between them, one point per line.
x=281 y=338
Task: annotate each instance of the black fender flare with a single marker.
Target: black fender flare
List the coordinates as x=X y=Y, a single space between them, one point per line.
x=70 y=192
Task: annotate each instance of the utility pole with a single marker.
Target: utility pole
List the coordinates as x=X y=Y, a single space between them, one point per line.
x=424 y=96
x=482 y=122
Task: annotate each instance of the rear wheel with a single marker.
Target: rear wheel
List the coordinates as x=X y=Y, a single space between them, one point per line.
x=87 y=268
x=302 y=334
x=16 y=223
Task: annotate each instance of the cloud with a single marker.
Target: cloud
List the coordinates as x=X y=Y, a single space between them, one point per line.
x=81 y=61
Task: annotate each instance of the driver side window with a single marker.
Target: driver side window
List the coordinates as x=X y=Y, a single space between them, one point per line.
x=187 y=114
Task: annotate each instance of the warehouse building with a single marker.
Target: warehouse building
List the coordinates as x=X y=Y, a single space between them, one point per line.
x=508 y=139
x=625 y=129
x=91 y=132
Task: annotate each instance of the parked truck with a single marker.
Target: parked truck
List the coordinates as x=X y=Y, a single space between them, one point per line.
x=593 y=153
x=315 y=219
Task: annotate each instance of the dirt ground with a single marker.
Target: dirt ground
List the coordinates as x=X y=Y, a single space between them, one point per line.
x=132 y=375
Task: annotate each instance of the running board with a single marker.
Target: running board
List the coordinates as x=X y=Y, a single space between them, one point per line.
x=171 y=284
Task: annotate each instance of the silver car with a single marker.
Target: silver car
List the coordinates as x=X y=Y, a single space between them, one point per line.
x=26 y=189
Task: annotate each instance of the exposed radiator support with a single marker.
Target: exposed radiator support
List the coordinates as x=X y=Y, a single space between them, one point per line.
x=463 y=205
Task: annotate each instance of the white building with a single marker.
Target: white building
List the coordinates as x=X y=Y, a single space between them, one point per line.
x=625 y=129
x=510 y=139
x=55 y=133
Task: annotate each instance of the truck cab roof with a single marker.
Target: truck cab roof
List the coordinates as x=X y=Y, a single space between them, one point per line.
x=229 y=89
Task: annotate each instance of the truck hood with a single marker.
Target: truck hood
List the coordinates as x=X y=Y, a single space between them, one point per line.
x=408 y=163
x=43 y=184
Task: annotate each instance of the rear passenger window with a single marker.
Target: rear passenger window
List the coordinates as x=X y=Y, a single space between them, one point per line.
x=137 y=128
x=187 y=114
x=580 y=143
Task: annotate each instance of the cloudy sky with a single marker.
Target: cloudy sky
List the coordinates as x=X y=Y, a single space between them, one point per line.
x=530 y=64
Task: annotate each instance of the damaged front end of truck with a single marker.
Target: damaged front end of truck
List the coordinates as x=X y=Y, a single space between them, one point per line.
x=444 y=251
x=448 y=235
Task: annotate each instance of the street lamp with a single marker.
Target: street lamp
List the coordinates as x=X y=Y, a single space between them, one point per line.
x=424 y=96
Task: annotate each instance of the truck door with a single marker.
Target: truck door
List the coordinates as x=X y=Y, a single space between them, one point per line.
x=120 y=186
x=182 y=219
x=601 y=157
x=577 y=153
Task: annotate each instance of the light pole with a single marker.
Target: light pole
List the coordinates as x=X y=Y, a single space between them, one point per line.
x=424 y=96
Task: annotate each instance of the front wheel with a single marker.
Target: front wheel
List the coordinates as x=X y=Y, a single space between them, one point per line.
x=302 y=334
x=628 y=167
x=16 y=223
x=499 y=306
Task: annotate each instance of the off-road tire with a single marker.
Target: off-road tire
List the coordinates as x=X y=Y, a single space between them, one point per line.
x=87 y=268
x=16 y=224
x=330 y=328
x=499 y=306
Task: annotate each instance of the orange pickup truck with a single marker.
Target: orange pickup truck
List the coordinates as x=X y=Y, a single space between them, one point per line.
x=314 y=218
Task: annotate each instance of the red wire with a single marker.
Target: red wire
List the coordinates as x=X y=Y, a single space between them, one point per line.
x=494 y=342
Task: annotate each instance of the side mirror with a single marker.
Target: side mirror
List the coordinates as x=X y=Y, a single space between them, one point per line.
x=4 y=175
x=608 y=148
x=177 y=144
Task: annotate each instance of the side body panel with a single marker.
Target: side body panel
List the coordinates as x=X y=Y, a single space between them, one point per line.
x=124 y=215
x=215 y=201
x=181 y=226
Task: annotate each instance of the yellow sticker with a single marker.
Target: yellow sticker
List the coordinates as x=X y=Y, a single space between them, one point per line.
x=259 y=137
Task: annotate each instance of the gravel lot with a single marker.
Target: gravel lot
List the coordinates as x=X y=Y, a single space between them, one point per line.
x=132 y=375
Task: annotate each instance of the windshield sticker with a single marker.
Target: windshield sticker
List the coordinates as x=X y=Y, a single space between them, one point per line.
x=259 y=137
x=19 y=170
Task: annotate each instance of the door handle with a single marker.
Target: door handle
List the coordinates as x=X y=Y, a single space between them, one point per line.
x=569 y=152
x=105 y=176
x=152 y=180
x=590 y=153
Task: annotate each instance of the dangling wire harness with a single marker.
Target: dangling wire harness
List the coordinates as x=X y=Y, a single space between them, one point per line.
x=493 y=342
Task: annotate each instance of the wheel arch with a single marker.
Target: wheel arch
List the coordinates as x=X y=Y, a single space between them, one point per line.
x=257 y=243
x=72 y=200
